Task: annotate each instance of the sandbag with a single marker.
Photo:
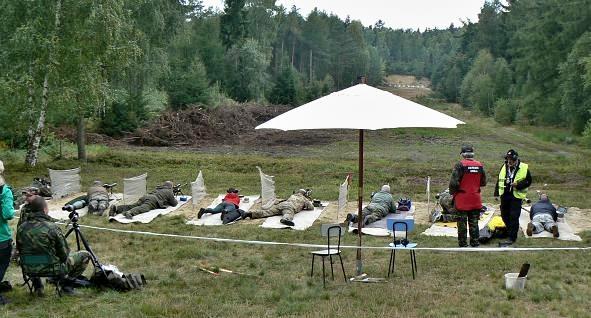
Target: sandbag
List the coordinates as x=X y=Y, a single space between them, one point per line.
x=111 y=277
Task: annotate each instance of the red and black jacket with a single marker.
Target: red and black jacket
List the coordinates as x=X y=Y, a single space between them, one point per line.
x=467 y=197
x=232 y=198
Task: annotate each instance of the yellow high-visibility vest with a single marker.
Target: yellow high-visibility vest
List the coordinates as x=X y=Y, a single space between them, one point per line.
x=521 y=174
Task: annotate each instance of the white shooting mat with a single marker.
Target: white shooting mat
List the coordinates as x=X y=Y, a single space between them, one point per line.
x=150 y=215
x=566 y=232
x=380 y=227
x=59 y=214
x=215 y=219
x=438 y=230
x=302 y=220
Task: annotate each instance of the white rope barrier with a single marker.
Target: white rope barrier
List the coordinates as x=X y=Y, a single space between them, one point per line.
x=306 y=245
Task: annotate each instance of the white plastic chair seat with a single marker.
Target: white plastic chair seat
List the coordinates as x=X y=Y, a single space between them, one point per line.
x=400 y=246
x=332 y=251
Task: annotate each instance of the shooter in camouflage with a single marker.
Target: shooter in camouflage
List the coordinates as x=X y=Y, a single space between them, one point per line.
x=287 y=208
x=381 y=204
x=38 y=235
x=98 y=198
x=161 y=198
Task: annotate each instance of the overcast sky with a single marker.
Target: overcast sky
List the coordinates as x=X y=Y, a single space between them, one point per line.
x=405 y=14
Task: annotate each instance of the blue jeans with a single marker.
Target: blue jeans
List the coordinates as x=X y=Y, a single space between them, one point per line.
x=224 y=206
x=5 y=253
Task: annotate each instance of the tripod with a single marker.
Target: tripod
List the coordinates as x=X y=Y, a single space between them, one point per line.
x=80 y=238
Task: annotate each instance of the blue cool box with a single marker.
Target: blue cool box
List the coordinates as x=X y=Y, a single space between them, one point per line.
x=409 y=220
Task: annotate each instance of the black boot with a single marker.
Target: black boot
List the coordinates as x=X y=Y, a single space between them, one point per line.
x=113 y=210
x=201 y=212
x=287 y=222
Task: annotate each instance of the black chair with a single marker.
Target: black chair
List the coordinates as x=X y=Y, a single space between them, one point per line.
x=55 y=272
x=329 y=230
x=402 y=243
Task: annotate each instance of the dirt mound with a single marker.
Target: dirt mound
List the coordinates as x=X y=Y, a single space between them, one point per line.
x=196 y=126
x=228 y=125
x=201 y=128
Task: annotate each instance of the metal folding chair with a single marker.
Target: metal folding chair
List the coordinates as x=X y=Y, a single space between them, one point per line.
x=329 y=230
x=55 y=272
x=402 y=244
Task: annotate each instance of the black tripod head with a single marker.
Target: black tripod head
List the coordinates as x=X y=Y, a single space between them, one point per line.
x=74 y=216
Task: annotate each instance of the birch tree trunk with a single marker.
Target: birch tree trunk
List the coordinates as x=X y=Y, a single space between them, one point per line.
x=35 y=133
x=36 y=130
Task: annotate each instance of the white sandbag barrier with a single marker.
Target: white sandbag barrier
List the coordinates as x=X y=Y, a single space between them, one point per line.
x=198 y=189
x=152 y=214
x=343 y=197
x=246 y=203
x=302 y=220
x=566 y=232
x=267 y=189
x=64 y=182
x=134 y=188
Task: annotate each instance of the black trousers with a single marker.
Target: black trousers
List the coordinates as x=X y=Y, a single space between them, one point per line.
x=5 y=253
x=510 y=212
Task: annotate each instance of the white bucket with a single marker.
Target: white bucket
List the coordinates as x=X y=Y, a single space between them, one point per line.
x=512 y=281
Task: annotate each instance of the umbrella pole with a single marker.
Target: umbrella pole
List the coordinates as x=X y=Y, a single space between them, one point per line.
x=360 y=203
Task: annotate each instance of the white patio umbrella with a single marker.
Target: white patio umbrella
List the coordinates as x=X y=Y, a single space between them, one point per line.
x=360 y=107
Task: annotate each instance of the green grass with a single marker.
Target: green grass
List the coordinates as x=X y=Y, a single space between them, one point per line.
x=448 y=284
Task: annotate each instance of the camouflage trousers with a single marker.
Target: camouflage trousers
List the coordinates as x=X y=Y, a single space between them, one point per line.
x=467 y=219
x=77 y=263
x=96 y=205
x=372 y=213
x=285 y=209
x=143 y=205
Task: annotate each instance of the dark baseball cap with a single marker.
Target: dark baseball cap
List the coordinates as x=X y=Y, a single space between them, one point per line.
x=467 y=149
x=33 y=190
x=232 y=190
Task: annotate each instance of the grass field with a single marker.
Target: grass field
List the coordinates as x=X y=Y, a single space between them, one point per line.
x=448 y=284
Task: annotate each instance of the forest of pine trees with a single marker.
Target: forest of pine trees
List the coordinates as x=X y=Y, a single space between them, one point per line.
x=113 y=64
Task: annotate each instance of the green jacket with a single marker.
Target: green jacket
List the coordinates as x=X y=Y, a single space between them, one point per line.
x=6 y=213
x=164 y=197
x=383 y=201
x=39 y=236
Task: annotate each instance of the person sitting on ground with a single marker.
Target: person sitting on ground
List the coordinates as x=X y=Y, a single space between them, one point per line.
x=381 y=204
x=298 y=201
x=38 y=235
x=97 y=198
x=230 y=203
x=543 y=216
x=161 y=198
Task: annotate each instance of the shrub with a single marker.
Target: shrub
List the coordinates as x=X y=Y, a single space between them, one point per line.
x=505 y=111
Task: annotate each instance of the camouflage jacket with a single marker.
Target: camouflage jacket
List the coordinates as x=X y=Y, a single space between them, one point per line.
x=39 y=236
x=300 y=202
x=97 y=193
x=25 y=213
x=165 y=197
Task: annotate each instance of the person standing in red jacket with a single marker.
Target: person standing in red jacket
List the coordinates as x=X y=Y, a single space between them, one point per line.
x=466 y=179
